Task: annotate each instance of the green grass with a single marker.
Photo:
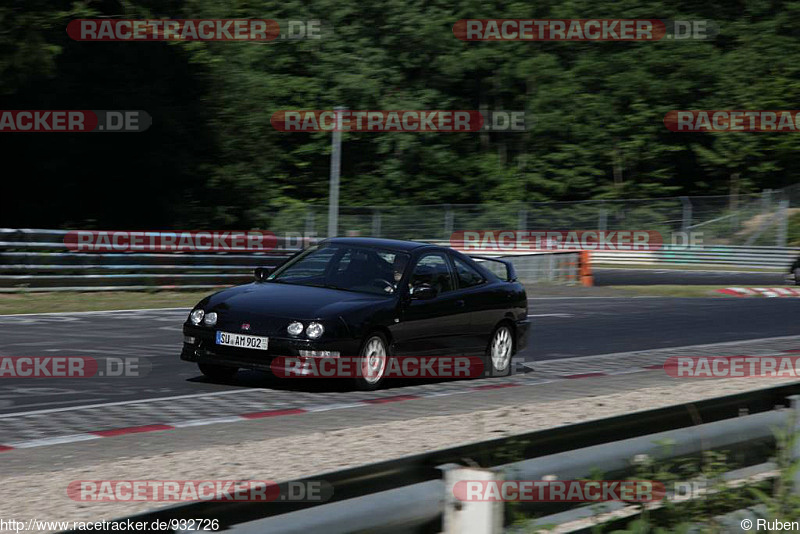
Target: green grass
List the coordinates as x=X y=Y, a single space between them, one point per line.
x=676 y=267
x=129 y=300
x=100 y=300
x=672 y=291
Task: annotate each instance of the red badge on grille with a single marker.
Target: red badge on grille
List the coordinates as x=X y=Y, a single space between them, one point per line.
x=245 y=326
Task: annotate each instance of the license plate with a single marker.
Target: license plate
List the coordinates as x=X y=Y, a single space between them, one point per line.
x=242 y=341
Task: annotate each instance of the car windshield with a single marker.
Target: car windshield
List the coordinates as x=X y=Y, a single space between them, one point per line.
x=349 y=268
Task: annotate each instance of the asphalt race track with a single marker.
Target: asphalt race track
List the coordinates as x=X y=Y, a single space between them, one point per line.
x=649 y=277
x=563 y=327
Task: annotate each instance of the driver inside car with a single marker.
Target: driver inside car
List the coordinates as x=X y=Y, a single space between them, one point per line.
x=399 y=268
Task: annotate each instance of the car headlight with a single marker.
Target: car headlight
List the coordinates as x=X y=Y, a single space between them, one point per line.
x=295 y=328
x=314 y=330
x=196 y=316
x=210 y=319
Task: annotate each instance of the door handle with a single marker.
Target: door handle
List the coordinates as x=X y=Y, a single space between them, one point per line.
x=460 y=303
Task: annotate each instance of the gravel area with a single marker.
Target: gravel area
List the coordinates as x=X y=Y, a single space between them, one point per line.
x=43 y=495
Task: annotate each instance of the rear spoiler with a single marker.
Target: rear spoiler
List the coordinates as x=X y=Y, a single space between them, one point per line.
x=511 y=274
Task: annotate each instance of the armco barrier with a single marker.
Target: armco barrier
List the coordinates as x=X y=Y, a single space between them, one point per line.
x=769 y=258
x=556 y=267
x=729 y=256
x=38 y=260
x=411 y=494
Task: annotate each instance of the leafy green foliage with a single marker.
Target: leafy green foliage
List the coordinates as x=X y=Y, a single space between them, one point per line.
x=212 y=158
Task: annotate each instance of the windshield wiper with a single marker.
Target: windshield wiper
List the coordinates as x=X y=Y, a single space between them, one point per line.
x=286 y=282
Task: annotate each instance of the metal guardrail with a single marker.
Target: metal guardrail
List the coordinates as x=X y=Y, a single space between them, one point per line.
x=39 y=260
x=388 y=510
x=768 y=258
x=773 y=258
x=557 y=267
x=409 y=494
x=611 y=513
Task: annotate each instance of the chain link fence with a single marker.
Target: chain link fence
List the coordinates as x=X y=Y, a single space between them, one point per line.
x=755 y=230
x=758 y=219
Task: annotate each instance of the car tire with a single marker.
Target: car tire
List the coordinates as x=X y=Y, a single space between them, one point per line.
x=217 y=372
x=374 y=351
x=500 y=351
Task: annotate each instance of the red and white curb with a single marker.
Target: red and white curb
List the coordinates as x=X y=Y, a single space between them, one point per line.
x=97 y=434
x=761 y=291
x=108 y=433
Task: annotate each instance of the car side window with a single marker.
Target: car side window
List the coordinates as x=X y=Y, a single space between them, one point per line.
x=432 y=269
x=467 y=275
x=344 y=262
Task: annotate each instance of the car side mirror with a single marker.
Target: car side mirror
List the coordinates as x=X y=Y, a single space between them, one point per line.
x=424 y=292
x=261 y=274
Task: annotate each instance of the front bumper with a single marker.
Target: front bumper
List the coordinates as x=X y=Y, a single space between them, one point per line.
x=203 y=349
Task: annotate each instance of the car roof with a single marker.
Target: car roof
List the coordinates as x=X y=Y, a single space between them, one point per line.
x=392 y=244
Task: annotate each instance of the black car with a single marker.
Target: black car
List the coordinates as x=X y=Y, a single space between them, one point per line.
x=794 y=272
x=374 y=299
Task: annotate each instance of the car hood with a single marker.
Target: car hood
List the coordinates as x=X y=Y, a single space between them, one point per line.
x=290 y=301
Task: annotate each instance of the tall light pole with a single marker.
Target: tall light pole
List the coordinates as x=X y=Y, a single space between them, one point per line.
x=336 y=164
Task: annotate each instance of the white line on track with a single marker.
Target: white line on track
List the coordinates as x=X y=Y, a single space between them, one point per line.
x=93 y=312
x=212 y=421
x=51 y=403
x=56 y=440
x=626 y=371
x=681 y=270
x=683 y=347
x=532 y=363
x=617 y=298
x=329 y=407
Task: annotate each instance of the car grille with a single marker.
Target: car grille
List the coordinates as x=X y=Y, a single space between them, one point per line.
x=259 y=326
